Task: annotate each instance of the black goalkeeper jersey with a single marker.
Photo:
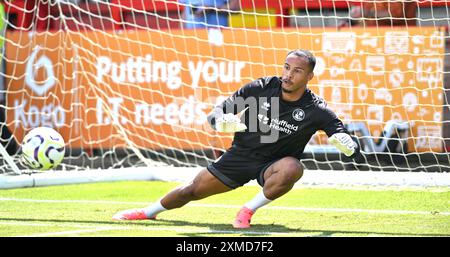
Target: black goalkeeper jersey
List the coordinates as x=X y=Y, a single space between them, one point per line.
x=283 y=131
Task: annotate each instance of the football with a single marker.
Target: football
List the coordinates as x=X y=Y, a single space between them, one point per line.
x=42 y=149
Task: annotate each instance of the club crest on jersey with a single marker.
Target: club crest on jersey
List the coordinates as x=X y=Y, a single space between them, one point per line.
x=298 y=114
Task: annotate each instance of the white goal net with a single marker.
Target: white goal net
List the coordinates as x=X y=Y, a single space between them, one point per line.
x=129 y=83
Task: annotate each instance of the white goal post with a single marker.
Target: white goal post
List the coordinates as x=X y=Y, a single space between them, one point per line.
x=128 y=84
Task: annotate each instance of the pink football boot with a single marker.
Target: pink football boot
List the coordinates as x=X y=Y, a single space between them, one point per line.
x=243 y=218
x=133 y=214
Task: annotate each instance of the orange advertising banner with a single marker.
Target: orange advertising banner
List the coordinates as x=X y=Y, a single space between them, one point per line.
x=153 y=89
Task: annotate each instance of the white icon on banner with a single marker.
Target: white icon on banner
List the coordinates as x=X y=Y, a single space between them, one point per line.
x=396 y=78
x=437 y=39
x=437 y=116
x=410 y=101
x=418 y=39
x=336 y=71
x=355 y=65
x=396 y=116
x=423 y=112
x=375 y=65
x=372 y=42
x=339 y=42
x=375 y=114
x=32 y=69
x=396 y=42
x=429 y=70
x=340 y=97
x=383 y=94
x=215 y=37
x=363 y=92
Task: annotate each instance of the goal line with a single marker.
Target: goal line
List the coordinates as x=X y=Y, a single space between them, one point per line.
x=320 y=178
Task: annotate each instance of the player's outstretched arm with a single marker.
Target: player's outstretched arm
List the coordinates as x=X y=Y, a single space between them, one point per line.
x=345 y=143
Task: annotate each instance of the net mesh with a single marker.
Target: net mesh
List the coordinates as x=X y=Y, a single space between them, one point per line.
x=130 y=83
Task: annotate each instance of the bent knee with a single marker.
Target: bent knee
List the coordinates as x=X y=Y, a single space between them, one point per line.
x=190 y=192
x=292 y=169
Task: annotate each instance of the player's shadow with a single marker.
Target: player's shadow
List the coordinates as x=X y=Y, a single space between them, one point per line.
x=263 y=230
x=212 y=228
x=227 y=228
x=224 y=229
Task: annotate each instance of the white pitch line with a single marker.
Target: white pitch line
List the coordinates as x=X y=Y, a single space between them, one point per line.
x=45 y=224
x=65 y=201
x=310 y=209
x=70 y=232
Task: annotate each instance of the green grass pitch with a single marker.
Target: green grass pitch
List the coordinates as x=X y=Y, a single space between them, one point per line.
x=86 y=210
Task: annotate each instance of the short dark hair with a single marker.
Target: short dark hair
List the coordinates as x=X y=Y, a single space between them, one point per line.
x=307 y=54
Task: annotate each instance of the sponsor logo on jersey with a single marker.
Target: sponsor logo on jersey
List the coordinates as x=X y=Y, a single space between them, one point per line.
x=263 y=119
x=265 y=106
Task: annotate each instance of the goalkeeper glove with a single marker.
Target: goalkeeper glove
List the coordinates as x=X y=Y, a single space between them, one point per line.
x=229 y=123
x=344 y=143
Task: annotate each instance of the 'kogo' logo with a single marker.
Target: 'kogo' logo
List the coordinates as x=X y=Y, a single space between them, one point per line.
x=32 y=68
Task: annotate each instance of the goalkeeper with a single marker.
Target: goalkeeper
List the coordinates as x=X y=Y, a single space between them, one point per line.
x=271 y=152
